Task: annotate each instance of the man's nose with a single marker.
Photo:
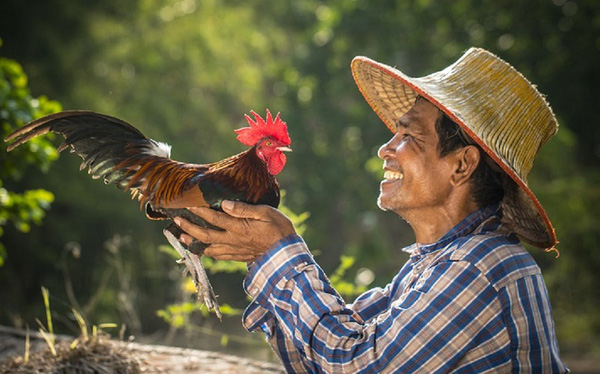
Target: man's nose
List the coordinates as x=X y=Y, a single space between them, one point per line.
x=387 y=148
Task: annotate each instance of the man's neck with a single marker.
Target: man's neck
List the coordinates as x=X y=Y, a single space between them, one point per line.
x=430 y=225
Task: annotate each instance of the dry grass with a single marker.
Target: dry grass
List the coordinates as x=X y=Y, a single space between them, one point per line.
x=101 y=355
x=95 y=355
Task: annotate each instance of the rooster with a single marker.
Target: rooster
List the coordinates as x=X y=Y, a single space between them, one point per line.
x=120 y=154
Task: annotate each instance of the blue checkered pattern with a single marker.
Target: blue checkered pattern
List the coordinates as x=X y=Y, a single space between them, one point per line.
x=473 y=302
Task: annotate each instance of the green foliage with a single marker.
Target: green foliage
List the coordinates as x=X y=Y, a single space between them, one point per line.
x=178 y=315
x=23 y=208
x=345 y=288
x=18 y=107
x=299 y=220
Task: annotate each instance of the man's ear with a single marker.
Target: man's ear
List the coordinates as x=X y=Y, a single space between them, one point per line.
x=467 y=160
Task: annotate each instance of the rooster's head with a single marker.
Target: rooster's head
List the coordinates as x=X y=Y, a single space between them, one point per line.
x=269 y=138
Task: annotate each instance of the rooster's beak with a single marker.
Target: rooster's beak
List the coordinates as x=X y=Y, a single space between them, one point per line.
x=284 y=149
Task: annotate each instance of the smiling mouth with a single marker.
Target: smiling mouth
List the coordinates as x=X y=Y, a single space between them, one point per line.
x=392 y=175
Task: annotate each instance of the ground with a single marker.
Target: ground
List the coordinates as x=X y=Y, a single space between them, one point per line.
x=131 y=357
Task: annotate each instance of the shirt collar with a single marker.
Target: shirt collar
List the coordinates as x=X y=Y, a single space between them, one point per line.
x=465 y=227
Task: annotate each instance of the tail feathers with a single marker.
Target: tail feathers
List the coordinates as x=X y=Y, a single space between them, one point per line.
x=72 y=122
x=114 y=151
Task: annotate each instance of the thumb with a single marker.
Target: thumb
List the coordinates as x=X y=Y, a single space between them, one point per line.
x=242 y=210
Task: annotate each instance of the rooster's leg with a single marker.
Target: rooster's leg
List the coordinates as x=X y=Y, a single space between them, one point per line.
x=196 y=270
x=210 y=299
x=184 y=253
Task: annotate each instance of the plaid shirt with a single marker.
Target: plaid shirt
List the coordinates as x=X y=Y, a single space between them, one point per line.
x=474 y=301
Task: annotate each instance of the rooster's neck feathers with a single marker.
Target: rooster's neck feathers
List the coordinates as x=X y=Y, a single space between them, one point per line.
x=244 y=171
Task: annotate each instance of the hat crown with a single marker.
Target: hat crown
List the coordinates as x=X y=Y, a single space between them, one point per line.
x=498 y=105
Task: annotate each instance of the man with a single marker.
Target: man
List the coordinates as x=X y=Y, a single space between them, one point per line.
x=470 y=298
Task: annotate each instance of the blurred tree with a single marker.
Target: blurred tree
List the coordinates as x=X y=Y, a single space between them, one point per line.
x=18 y=107
x=49 y=37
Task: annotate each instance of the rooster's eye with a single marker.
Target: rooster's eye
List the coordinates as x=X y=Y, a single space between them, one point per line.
x=268 y=143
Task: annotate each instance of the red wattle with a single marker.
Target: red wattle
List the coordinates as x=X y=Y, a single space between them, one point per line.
x=276 y=163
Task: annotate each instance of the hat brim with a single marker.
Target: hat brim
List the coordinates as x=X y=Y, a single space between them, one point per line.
x=392 y=93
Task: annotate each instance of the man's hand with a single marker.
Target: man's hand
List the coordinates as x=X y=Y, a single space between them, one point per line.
x=249 y=230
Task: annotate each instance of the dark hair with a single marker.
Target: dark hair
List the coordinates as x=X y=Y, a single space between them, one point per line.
x=485 y=182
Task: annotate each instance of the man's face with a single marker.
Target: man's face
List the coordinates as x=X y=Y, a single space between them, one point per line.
x=417 y=179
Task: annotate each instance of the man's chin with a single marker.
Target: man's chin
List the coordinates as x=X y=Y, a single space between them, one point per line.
x=389 y=206
x=382 y=204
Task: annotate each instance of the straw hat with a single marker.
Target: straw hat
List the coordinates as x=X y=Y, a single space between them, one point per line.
x=493 y=104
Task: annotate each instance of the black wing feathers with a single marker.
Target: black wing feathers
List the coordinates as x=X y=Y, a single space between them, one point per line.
x=102 y=141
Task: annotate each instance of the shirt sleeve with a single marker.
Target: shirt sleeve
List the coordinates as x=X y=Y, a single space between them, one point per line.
x=372 y=302
x=428 y=328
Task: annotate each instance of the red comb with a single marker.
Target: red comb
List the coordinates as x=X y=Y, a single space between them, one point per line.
x=259 y=129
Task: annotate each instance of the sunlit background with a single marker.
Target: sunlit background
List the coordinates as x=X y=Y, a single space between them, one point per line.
x=186 y=71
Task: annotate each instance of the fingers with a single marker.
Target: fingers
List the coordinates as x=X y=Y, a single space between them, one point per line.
x=243 y=210
x=227 y=252
x=235 y=258
x=201 y=233
x=211 y=216
x=186 y=239
x=236 y=209
x=223 y=252
x=232 y=209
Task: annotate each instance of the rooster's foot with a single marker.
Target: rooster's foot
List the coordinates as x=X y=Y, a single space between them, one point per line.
x=197 y=272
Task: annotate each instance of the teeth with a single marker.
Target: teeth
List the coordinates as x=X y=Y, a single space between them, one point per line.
x=392 y=175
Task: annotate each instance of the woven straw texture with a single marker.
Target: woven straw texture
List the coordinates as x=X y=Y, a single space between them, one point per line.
x=494 y=104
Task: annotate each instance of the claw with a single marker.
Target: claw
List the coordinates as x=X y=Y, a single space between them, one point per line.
x=205 y=289
x=194 y=267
